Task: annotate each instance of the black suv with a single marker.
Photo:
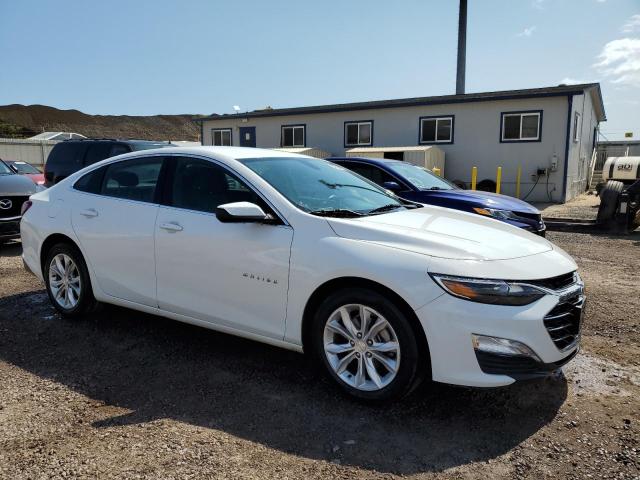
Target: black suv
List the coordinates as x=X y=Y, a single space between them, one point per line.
x=69 y=156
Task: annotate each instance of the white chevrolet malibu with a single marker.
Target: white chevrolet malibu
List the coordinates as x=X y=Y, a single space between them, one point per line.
x=306 y=255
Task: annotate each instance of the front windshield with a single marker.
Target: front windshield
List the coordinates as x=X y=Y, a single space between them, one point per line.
x=321 y=187
x=4 y=170
x=421 y=177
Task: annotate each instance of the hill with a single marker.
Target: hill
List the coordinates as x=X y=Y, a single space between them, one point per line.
x=20 y=121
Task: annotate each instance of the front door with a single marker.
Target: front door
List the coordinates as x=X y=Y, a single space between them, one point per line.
x=114 y=218
x=230 y=274
x=248 y=136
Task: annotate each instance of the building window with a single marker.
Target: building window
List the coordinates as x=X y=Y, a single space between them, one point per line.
x=293 y=136
x=358 y=133
x=521 y=126
x=436 y=129
x=221 y=137
x=576 y=127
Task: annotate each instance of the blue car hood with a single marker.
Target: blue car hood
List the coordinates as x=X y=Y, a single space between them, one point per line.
x=485 y=199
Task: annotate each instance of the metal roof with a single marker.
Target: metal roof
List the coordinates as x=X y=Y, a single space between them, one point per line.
x=560 y=90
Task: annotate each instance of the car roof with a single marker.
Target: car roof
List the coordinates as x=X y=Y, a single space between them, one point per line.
x=217 y=153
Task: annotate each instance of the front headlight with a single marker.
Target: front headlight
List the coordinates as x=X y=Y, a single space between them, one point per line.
x=494 y=213
x=495 y=292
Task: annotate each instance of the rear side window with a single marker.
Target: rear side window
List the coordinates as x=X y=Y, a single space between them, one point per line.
x=91 y=182
x=66 y=153
x=97 y=152
x=118 y=149
x=132 y=179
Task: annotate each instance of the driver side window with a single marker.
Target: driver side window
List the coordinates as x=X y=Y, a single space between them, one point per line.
x=201 y=185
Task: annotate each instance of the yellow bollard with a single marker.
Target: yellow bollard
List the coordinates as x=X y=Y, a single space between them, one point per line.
x=498 y=179
x=474 y=177
x=436 y=171
x=518 y=177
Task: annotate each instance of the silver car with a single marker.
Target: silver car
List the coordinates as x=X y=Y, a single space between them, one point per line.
x=14 y=191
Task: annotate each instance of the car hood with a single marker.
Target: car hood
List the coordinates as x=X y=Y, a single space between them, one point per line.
x=443 y=232
x=16 y=185
x=487 y=200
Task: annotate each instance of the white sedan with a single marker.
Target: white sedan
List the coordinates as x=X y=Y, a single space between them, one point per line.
x=306 y=255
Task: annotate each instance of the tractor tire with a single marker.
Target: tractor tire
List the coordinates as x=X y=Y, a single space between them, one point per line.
x=609 y=201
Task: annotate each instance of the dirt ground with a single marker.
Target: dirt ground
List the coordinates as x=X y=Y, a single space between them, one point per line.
x=584 y=207
x=128 y=395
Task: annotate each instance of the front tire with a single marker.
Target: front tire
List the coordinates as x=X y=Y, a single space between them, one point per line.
x=67 y=281
x=366 y=345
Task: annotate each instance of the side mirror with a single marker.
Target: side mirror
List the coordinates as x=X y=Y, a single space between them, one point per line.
x=241 y=212
x=393 y=186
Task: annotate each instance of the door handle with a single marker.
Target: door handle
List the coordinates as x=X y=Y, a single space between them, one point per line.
x=171 y=227
x=89 y=213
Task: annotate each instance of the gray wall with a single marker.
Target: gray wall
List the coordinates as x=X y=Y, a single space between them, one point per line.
x=476 y=138
x=25 y=150
x=580 y=152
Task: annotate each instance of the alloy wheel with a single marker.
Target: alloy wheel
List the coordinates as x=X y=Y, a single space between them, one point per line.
x=362 y=348
x=64 y=281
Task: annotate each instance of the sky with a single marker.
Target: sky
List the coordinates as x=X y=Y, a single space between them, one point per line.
x=144 y=57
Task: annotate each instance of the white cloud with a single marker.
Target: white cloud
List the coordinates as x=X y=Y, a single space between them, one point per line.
x=619 y=61
x=527 y=32
x=632 y=25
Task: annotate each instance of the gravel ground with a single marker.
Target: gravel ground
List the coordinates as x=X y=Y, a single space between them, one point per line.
x=129 y=395
x=584 y=207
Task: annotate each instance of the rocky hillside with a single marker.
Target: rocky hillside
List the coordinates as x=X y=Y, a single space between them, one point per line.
x=21 y=121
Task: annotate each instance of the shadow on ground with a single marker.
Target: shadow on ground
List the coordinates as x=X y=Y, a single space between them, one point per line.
x=158 y=368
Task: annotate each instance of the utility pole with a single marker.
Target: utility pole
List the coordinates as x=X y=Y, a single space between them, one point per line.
x=462 y=47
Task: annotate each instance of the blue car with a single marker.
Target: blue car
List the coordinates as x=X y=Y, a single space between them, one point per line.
x=420 y=185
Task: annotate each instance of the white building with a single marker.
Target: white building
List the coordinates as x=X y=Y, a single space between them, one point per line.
x=551 y=130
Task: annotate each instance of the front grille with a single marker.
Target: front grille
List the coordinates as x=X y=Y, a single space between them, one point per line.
x=9 y=228
x=555 y=283
x=14 y=209
x=563 y=322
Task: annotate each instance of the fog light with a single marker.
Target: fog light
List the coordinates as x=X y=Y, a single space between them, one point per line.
x=502 y=346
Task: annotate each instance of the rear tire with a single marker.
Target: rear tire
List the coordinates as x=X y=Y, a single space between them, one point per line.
x=609 y=201
x=67 y=281
x=378 y=361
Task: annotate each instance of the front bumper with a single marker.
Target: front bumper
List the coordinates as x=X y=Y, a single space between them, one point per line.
x=519 y=367
x=9 y=228
x=450 y=322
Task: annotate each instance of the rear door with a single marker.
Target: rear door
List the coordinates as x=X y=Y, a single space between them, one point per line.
x=114 y=214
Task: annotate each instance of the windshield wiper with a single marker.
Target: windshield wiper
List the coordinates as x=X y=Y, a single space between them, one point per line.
x=336 y=212
x=386 y=208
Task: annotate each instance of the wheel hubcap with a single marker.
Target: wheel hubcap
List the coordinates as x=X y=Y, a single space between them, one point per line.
x=64 y=281
x=361 y=347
